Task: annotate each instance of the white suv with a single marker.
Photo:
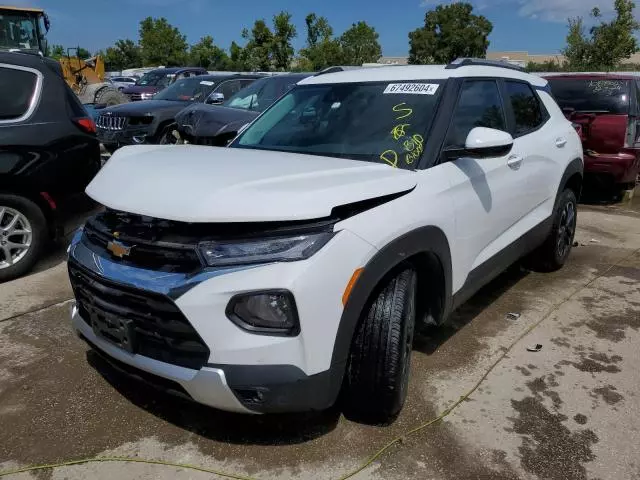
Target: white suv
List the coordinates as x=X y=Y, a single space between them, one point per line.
x=273 y=275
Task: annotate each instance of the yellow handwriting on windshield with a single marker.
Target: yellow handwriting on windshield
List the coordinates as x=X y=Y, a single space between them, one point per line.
x=404 y=111
x=414 y=146
x=391 y=157
x=399 y=131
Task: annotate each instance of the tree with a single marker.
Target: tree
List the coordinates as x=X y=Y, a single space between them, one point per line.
x=258 y=51
x=547 y=66
x=237 y=58
x=83 y=53
x=360 y=44
x=283 y=32
x=322 y=49
x=162 y=43
x=56 y=52
x=609 y=42
x=124 y=54
x=449 y=32
x=206 y=54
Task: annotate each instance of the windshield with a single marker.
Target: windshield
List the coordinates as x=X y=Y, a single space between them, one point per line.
x=262 y=93
x=591 y=95
x=193 y=89
x=154 y=79
x=18 y=31
x=374 y=122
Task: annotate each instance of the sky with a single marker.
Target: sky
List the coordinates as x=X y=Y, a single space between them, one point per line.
x=536 y=26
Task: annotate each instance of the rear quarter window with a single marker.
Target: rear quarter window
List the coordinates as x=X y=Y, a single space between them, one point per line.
x=592 y=95
x=17 y=91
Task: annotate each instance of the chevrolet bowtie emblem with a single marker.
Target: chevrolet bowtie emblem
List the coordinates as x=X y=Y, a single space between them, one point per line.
x=118 y=250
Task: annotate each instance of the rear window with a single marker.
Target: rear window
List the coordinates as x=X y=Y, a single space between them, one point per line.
x=592 y=95
x=16 y=91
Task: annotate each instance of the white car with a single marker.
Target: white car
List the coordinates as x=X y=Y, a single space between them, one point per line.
x=123 y=82
x=295 y=265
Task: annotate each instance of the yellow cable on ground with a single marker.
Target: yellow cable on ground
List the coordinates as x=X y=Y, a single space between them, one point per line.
x=373 y=457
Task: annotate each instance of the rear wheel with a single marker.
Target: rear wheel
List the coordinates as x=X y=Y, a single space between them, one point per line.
x=110 y=96
x=377 y=376
x=169 y=136
x=23 y=234
x=553 y=253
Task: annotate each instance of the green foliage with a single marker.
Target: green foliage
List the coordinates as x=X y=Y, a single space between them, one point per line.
x=56 y=52
x=82 y=53
x=124 y=54
x=283 y=32
x=207 y=55
x=322 y=49
x=258 y=50
x=162 y=43
x=449 y=32
x=237 y=58
x=548 y=66
x=360 y=44
x=607 y=44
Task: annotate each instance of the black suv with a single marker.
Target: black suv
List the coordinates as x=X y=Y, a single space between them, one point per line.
x=48 y=154
x=149 y=121
x=216 y=125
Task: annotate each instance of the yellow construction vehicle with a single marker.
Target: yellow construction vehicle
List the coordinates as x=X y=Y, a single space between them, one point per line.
x=24 y=29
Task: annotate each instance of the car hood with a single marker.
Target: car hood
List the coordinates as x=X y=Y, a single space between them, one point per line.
x=148 y=107
x=141 y=89
x=209 y=184
x=202 y=120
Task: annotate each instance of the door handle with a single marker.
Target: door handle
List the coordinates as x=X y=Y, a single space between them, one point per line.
x=561 y=142
x=515 y=161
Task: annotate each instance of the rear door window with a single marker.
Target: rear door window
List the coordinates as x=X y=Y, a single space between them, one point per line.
x=592 y=95
x=527 y=110
x=17 y=90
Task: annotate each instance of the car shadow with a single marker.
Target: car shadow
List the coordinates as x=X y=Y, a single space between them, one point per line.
x=429 y=340
x=274 y=429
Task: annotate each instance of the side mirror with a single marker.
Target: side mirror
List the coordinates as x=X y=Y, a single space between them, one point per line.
x=215 y=98
x=483 y=143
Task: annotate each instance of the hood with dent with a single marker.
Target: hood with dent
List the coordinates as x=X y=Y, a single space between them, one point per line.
x=201 y=120
x=147 y=108
x=210 y=184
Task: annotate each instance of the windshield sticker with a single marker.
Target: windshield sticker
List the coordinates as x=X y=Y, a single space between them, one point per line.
x=412 y=88
x=608 y=87
x=207 y=83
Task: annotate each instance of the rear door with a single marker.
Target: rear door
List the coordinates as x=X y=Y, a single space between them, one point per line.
x=539 y=148
x=487 y=191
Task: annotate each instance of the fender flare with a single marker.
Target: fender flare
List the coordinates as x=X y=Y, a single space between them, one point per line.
x=575 y=166
x=428 y=239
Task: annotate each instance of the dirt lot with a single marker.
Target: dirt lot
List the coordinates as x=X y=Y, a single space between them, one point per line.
x=570 y=411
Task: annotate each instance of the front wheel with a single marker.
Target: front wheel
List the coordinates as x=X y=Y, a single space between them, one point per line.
x=553 y=253
x=377 y=376
x=23 y=234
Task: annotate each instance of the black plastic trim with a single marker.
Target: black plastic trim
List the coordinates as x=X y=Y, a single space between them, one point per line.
x=282 y=388
x=273 y=332
x=428 y=239
x=575 y=166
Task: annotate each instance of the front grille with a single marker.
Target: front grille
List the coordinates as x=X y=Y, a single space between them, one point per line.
x=111 y=122
x=159 y=328
x=152 y=247
x=134 y=97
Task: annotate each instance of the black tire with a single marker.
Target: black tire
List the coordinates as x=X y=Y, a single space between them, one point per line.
x=110 y=96
x=377 y=375
x=555 y=250
x=39 y=236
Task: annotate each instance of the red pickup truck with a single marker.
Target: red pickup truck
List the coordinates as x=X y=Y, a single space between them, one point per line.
x=606 y=111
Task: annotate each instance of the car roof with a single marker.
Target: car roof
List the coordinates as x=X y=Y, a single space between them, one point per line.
x=421 y=72
x=591 y=75
x=178 y=69
x=226 y=76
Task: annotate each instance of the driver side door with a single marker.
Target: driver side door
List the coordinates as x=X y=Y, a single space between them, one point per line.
x=486 y=190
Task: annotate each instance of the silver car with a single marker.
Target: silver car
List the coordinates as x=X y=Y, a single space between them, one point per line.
x=123 y=82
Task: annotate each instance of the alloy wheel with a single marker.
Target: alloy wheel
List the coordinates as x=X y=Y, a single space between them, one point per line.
x=15 y=236
x=566 y=229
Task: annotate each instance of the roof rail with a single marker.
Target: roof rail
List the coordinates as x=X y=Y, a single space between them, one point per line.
x=483 y=62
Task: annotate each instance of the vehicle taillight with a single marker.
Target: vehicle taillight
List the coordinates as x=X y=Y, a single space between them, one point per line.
x=86 y=124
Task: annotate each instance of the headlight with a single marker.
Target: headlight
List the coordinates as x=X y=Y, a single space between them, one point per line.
x=147 y=96
x=276 y=249
x=270 y=312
